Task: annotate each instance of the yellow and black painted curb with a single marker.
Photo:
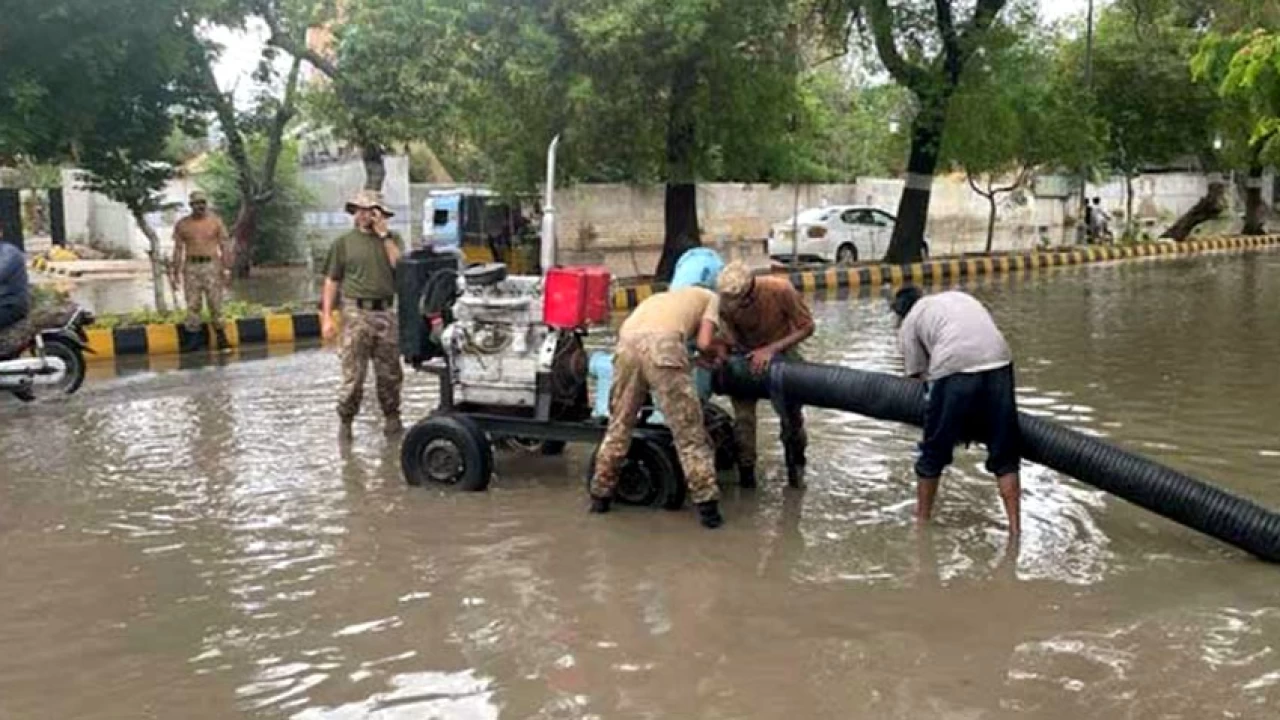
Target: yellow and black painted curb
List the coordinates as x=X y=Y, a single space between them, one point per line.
x=945 y=271
x=169 y=339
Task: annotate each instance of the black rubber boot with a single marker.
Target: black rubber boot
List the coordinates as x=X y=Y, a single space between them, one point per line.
x=600 y=505
x=747 y=476
x=795 y=476
x=709 y=514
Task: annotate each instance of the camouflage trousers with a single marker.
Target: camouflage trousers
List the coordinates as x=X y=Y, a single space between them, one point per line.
x=793 y=437
x=790 y=417
x=201 y=285
x=660 y=363
x=369 y=336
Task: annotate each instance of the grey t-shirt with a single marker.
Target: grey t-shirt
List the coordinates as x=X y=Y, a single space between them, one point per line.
x=949 y=333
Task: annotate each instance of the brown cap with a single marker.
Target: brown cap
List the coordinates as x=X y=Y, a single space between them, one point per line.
x=367 y=200
x=198 y=196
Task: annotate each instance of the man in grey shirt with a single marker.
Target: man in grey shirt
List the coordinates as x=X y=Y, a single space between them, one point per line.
x=950 y=341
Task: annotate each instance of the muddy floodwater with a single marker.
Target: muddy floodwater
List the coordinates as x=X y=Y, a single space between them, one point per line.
x=196 y=544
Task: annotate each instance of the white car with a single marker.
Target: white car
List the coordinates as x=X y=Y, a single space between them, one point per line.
x=841 y=234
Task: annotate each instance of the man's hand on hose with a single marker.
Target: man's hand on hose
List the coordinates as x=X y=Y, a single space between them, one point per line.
x=760 y=359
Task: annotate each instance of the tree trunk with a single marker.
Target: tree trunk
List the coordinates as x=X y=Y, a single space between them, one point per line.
x=1255 y=207
x=242 y=232
x=680 y=206
x=375 y=169
x=990 y=196
x=1206 y=208
x=680 y=210
x=913 y=208
x=157 y=263
x=991 y=221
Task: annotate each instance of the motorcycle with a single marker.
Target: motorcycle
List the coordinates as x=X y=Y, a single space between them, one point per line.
x=51 y=362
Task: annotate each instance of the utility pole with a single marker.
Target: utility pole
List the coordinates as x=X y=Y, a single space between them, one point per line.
x=1088 y=85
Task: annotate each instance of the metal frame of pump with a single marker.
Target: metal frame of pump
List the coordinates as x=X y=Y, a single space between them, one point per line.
x=453 y=445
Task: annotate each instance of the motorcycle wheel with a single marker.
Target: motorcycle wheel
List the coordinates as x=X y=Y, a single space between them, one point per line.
x=72 y=358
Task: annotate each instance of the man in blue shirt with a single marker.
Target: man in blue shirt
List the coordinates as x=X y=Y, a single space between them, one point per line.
x=15 y=299
x=15 y=295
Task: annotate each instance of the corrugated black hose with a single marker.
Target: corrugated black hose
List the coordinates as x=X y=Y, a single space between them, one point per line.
x=1162 y=490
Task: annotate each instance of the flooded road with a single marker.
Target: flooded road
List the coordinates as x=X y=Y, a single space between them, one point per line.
x=197 y=544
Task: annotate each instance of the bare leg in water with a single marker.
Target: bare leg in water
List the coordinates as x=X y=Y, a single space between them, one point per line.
x=1010 y=495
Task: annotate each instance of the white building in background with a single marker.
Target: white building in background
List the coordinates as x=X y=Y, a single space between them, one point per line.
x=95 y=219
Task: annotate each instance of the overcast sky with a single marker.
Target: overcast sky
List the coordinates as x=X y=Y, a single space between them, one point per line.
x=242 y=49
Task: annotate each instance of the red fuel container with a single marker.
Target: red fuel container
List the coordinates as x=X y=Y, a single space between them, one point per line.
x=597 y=293
x=565 y=299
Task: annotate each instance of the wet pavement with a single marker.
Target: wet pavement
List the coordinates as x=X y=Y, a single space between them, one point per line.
x=197 y=544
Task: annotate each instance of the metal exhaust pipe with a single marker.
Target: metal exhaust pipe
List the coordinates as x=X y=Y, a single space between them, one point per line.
x=547 y=258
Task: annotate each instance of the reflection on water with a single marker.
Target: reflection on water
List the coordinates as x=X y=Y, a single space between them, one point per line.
x=196 y=544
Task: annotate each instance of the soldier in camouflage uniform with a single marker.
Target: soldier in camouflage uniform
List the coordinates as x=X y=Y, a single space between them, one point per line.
x=652 y=355
x=200 y=261
x=765 y=317
x=361 y=266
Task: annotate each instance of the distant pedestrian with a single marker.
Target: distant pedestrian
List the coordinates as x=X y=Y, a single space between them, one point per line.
x=1101 y=222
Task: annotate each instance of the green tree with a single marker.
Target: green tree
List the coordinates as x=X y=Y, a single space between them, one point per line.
x=851 y=130
x=1143 y=92
x=390 y=75
x=1016 y=112
x=270 y=116
x=84 y=87
x=925 y=47
x=1243 y=68
x=672 y=91
x=279 y=224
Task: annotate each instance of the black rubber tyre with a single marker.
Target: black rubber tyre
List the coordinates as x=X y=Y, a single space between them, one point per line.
x=847 y=254
x=649 y=476
x=72 y=358
x=447 y=450
x=719 y=424
x=487 y=444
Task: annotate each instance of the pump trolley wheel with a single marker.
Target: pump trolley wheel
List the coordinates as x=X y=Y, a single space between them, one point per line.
x=447 y=449
x=650 y=476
